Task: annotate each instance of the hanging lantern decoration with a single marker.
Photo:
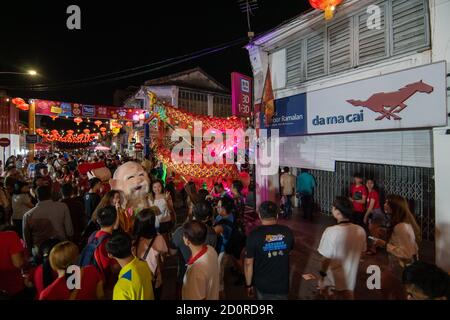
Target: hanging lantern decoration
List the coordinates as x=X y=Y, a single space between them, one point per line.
x=24 y=107
x=69 y=132
x=54 y=117
x=39 y=131
x=54 y=132
x=86 y=131
x=78 y=120
x=102 y=129
x=18 y=101
x=326 y=5
x=98 y=123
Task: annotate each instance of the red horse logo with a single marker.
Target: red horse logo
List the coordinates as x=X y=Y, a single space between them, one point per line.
x=390 y=103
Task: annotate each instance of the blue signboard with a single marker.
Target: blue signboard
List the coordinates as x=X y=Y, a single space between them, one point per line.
x=66 y=109
x=290 y=116
x=88 y=111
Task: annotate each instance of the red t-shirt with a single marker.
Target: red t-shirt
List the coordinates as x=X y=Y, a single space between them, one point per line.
x=376 y=197
x=58 y=289
x=358 y=192
x=38 y=279
x=10 y=277
x=104 y=262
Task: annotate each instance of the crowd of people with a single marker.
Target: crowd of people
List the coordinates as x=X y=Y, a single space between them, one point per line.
x=113 y=233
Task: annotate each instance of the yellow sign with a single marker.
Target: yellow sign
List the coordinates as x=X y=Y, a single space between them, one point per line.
x=56 y=110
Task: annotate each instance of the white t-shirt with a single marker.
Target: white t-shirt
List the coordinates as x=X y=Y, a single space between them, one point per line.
x=165 y=212
x=159 y=246
x=343 y=244
x=201 y=280
x=402 y=243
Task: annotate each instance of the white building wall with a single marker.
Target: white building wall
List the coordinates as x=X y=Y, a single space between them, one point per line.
x=13 y=149
x=422 y=148
x=440 y=36
x=405 y=148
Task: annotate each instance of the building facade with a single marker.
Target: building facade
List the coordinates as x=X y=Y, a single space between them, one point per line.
x=319 y=68
x=192 y=90
x=9 y=126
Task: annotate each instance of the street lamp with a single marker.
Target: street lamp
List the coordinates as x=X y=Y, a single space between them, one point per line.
x=32 y=73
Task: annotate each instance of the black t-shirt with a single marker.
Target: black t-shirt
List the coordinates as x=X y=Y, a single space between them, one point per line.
x=269 y=246
x=91 y=201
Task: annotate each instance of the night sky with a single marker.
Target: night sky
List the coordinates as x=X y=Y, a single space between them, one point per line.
x=125 y=34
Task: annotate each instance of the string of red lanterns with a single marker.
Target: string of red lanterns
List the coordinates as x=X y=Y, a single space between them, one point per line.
x=69 y=137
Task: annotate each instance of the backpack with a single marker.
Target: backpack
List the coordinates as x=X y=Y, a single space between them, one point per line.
x=236 y=241
x=86 y=235
x=87 y=256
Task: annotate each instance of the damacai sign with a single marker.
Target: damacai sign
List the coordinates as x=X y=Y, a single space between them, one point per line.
x=412 y=98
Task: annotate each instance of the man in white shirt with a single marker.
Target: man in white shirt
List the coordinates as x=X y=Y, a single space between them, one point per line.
x=287 y=186
x=201 y=280
x=341 y=247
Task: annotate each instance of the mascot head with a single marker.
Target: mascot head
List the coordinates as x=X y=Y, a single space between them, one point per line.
x=132 y=179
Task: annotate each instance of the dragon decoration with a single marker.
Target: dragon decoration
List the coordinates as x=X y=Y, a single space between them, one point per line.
x=167 y=118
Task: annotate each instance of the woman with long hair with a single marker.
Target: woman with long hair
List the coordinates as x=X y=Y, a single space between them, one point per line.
x=191 y=197
x=149 y=246
x=161 y=199
x=403 y=236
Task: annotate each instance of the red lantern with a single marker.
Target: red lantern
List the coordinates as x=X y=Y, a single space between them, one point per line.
x=24 y=107
x=18 y=101
x=86 y=131
x=39 y=131
x=54 y=117
x=98 y=123
x=327 y=5
x=54 y=132
x=102 y=129
x=78 y=120
x=70 y=132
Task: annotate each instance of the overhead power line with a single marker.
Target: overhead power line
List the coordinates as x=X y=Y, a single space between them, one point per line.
x=156 y=66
